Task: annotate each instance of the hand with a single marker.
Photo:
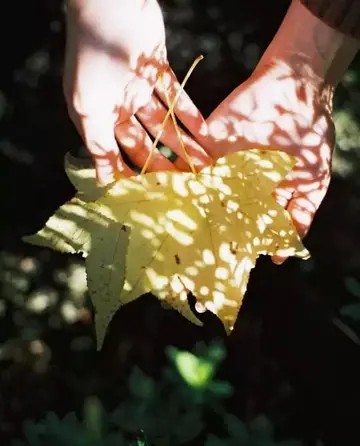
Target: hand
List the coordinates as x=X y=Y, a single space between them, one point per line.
x=278 y=109
x=286 y=104
x=115 y=51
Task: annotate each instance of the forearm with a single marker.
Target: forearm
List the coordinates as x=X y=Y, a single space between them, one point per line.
x=116 y=22
x=106 y=16
x=308 y=45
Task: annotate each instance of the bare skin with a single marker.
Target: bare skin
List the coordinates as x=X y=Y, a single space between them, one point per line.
x=286 y=104
x=115 y=52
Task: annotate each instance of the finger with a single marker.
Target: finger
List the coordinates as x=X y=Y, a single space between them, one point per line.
x=283 y=194
x=137 y=144
x=99 y=138
x=302 y=209
x=184 y=109
x=152 y=116
x=137 y=92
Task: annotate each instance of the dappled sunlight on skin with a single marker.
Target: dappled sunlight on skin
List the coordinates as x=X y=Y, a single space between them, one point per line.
x=111 y=73
x=114 y=87
x=152 y=117
x=138 y=145
x=276 y=109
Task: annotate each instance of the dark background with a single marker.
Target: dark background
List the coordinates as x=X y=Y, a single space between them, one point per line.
x=294 y=353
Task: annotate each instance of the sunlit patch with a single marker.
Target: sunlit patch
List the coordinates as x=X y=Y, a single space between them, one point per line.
x=302 y=214
x=273 y=176
x=128 y=141
x=123 y=186
x=232 y=206
x=225 y=189
x=260 y=223
x=171 y=233
x=224 y=252
x=221 y=228
x=218 y=129
x=180 y=217
x=179 y=186
x=159 y=256
x=210 y=181
x=127 y=286
x=266 y=164
x=156 y=280
x=204 y=199
x=222 y=273
x=320 y=125
x=210 y=305
x=155 y=242
x=176 y=284
x=248 y=233
x=244 y=266
x=146 y=233
x=222 y=170
x=267 y=219
x=180 y=236
x=192 y=271
x=221 y=286
x=310 y=156
x=219 y=299
x=142 y=218
x=208 y=257
x=272 y=212
x=196 y=188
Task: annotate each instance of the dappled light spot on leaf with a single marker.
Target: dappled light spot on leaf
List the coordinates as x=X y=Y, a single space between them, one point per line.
x=173 y=233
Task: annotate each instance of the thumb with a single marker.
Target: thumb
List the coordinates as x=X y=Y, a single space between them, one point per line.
x=302 y=212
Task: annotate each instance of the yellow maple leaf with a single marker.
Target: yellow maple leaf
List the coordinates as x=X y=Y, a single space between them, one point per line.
x=173 y=233
x=76 y=229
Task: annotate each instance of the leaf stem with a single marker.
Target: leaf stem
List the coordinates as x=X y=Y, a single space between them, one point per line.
x=169 y=113
x=177 y=130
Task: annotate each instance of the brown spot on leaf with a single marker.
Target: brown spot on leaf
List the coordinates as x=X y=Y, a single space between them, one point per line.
x=233 y=247
x=177 y=259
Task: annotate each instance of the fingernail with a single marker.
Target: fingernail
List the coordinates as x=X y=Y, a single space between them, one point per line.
x=278 y=260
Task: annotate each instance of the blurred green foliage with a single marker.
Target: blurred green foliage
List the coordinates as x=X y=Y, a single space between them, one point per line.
x=184 y=407
x=346 y=160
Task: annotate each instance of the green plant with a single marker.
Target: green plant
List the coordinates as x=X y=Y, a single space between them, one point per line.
x=185 y=406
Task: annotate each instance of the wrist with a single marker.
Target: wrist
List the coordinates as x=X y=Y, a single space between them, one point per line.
x=310 y=48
